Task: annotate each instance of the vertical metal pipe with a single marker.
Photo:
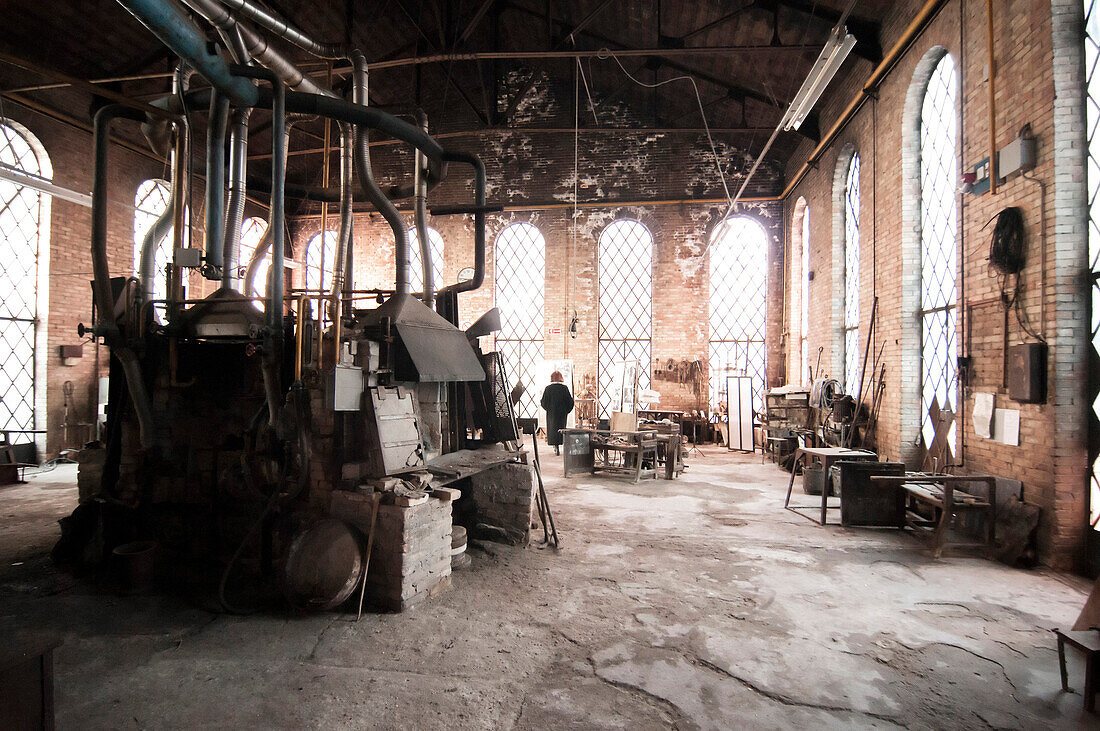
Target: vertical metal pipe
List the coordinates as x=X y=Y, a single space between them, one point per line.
x=215 y=181
x=992 y=99
x=420 y=216
x=234 y=213
x=347 y=135
x=181 y=196
x=280 y=132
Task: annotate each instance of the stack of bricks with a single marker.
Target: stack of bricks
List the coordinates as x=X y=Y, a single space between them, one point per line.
x=411 y=552
x=504 y=498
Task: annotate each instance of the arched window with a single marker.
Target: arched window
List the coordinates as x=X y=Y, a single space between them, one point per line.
x=150 y=202
x=851 y=276
x=416 y=265
x=520 y=277
x=252 y=230
x=24 y=222
x=738 y=287
x=625 y=264
x=320 y=260
x=798 y=358
x=939 y=257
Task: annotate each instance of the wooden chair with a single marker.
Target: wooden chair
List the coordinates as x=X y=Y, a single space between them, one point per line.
x=12 y=471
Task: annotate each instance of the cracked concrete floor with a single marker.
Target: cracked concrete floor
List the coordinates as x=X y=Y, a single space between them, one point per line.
x=698 y=603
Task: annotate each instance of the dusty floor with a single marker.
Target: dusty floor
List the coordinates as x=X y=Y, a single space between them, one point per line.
x=698 y=603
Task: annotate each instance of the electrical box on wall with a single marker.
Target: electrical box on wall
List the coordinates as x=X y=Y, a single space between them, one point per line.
x=1017 y=156
x=1027 y=373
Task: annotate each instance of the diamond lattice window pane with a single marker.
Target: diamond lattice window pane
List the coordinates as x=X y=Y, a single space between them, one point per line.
x=938 y=171
x=320 y=259
x=520 y=282
x=738 y=291
x=851 y=275
x=625 y=264
x=804 y=359
x=416 y=265
x=1092 y=172
x=626 y=281
x=20 y=219
x=252 y=230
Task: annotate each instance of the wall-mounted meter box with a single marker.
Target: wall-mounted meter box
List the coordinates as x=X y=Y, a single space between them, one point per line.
x=1027 y=373
x=1017 y=156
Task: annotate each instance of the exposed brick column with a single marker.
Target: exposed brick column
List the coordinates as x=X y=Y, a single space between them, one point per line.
x=1070 y=338
x=840 y=176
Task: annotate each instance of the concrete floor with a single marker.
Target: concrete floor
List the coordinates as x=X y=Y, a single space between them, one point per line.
x=698 y=603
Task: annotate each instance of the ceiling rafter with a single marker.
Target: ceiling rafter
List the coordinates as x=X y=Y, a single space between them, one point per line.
x=449 y=77
x=809 y=128
x=570 y=36
x=867 y=32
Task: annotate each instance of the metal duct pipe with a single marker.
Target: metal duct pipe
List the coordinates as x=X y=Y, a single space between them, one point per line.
x=256 y=46
x=420 y=217
x=215 y=182
x=234 y=214
x=170 y=24
x=346 y=200
x=234 y=43
x=101 y=284
x=479 y=221
x=280 y=133
x=147 y=259
x=345 y=111
x=284 y=30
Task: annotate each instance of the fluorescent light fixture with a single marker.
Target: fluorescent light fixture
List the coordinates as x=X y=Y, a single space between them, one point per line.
x=837 y=48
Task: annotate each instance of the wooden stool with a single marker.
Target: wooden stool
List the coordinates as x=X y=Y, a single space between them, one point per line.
x=1087 y=642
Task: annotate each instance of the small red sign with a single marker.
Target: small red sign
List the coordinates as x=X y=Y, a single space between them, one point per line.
x=554 y=331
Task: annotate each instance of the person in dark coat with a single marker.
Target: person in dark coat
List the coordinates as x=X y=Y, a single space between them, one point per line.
x=558 y=402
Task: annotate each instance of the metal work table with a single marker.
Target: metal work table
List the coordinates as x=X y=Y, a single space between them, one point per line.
x=581 y=445
x=825 y=456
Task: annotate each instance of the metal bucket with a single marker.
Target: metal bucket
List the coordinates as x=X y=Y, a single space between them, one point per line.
x=136 y=563
x=813 y=479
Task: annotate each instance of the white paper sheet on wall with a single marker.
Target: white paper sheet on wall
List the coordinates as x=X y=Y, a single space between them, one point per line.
x=1006 y=426
x=983 y=415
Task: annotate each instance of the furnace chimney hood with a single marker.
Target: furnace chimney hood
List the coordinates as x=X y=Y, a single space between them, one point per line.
x=427 y=348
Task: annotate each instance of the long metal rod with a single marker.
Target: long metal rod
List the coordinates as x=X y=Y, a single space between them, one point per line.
x=587 y=53
x=992 y=99
x=550 y=130
x=82 y=84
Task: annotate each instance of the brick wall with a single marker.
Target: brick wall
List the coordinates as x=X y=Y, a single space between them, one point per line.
x=883 y=132
x=680 y=281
